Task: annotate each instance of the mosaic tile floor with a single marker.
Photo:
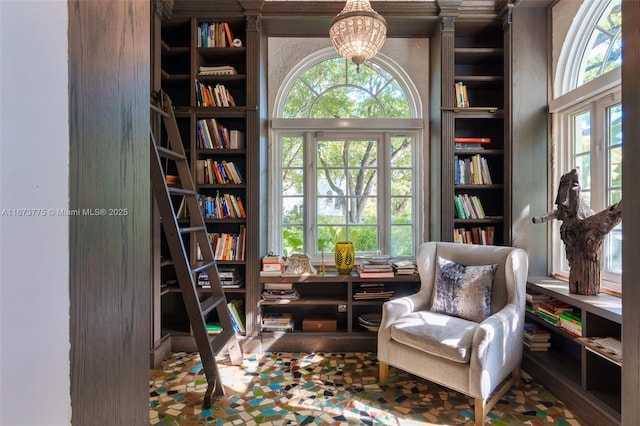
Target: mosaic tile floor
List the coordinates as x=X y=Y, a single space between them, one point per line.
x=275 y=389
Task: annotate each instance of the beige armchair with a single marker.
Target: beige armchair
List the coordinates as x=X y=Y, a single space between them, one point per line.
x=472 y=356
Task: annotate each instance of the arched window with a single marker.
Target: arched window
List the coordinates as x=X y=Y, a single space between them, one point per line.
x=587 y=118
x=343 y=161
x=604 y=48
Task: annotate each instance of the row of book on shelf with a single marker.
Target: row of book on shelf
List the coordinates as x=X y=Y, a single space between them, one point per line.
x=213 y=96
x=275 y=265
x=227 y=246
x=222 y=206
x=212 y=135
x=475 y=235
x=279 y=292
x=462 y=98
x=236 y=309
x=562 y=315
x=472 y=170
x=553 y=312
x=468 y=207
x=210 y=171
x=215 y=34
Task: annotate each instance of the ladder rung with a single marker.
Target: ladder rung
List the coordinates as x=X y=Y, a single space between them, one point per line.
x=211 y=303
x=192 y=229
x=181 y=191
x=218 y=341
x=200 y=268
x=167 y=153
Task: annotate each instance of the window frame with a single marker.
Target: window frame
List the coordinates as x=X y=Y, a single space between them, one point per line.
x=310 y=130
x=563 y=121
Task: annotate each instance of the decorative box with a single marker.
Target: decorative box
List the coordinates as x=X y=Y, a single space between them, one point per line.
x=319 y=323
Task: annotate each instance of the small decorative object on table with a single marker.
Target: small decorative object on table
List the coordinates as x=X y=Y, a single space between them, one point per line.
x=345 y=257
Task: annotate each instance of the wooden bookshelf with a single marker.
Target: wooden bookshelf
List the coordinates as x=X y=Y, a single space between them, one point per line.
x=588 y=382
x=473 y=53
x=180 y=56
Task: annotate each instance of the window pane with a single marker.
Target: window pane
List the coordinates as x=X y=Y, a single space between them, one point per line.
x=332 y=182
x=292 y=240
x=292 y=151
x=401 y=240
x=584 y=162
x=292 y=210
x=331 y=154
x=362 y=153
x=401 y=151
x=292 y=182
x=603 y=50
x=331 y=210
x=613 y=250
x=364 y=238
x=401 y=181
x=401 y=210
x=582 y=133
x=328 y=236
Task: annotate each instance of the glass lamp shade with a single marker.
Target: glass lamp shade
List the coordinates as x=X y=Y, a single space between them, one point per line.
x=358 y=31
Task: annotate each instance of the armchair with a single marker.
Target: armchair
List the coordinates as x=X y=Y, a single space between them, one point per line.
x=472 y=356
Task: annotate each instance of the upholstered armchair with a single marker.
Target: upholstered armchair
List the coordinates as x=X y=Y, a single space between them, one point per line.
x=464 y=328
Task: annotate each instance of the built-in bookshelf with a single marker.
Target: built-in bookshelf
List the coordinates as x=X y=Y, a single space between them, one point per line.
x=475 y=148
x=580 y=365
x=343 y=303
x=204 y=69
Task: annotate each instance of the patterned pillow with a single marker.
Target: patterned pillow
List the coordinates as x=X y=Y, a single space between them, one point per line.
x=463 y=291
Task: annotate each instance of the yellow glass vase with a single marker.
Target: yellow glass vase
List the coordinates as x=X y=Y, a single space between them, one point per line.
x=345 y=257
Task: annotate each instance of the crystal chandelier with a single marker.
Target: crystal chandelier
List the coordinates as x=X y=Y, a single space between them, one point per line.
x=358 y=32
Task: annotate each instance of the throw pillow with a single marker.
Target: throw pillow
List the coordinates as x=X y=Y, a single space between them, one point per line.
x=463 y=291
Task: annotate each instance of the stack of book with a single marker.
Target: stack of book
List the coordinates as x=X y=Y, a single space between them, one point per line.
x=372 y=291
x=375 y=270
x=230 y=277
x=571 y=322
x=550 y=310
x=272 y=266
x=404 y=267
x=533 y=300
x=217 y=70
x=536 y=338
x=277 y=322
x=280 y=292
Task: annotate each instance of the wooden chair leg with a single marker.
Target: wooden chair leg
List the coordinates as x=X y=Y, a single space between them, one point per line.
x=384 y=373
x=480 y=411
x=483 y=407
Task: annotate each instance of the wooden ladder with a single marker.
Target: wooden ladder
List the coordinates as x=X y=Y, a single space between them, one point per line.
x=208 y=345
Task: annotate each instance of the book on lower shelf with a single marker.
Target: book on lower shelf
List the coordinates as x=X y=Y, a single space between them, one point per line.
x=536 y=338
x=476 y=235
x=237 y=318
x=273 y=321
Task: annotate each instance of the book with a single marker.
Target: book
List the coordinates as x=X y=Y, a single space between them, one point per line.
x=277 y=318
x=236 y=316
x=217 y=70
x=472 y=140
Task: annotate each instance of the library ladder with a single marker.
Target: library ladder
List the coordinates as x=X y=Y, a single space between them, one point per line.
x=168 y=197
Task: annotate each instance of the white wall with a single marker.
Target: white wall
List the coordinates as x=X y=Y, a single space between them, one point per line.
x=34 y=250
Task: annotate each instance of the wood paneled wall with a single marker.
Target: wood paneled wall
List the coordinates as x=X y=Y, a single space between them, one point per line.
x=631 y=212
x=109 y=77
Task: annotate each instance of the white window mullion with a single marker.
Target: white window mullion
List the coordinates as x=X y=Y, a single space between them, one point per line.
x=384 y=193
x=310 y=192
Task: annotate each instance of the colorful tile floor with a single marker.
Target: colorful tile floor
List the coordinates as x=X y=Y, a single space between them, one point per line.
x=275 y=389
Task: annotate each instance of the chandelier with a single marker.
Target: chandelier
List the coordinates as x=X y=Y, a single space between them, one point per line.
x=358 y=32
